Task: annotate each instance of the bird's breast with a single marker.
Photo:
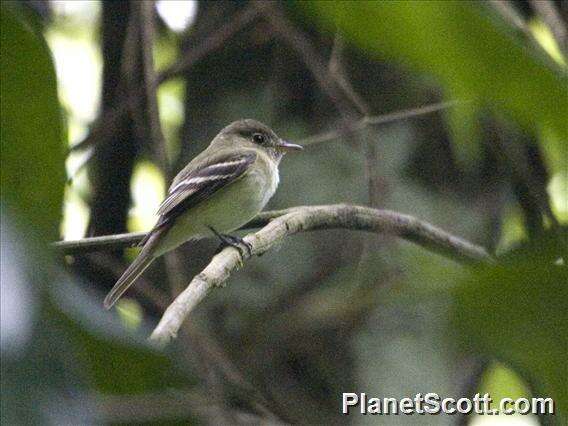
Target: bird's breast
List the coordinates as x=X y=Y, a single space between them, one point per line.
x=227 y=209
x=270 y=178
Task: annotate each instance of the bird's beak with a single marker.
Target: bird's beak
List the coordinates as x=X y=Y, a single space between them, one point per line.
x=288 y=146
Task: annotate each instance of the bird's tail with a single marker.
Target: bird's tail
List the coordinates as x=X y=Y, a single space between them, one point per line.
x=135 y=269
x=127 y=279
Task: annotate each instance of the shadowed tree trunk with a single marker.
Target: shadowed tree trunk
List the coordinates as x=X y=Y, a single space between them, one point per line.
x=113 y=160
x=114 y=156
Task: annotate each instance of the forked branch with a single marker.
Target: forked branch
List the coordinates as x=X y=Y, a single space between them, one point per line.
x=277 y=225
x=300 y=219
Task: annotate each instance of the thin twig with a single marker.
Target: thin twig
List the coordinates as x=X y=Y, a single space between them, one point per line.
x=336 y=69
x=334 y=82
x=293 y=37
x=105 y=125
x=146 y=12
x=102 y=243
x=377 y=120
x=300 y=219
x=337 y=72
x=213 y=42
x=217 y=371
x=152 y=125
x=377 y=187
x=121 y=241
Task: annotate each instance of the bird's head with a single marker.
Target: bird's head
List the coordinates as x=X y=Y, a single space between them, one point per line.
x=252 y=133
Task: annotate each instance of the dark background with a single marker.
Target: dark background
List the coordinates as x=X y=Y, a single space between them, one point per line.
x=326 y=312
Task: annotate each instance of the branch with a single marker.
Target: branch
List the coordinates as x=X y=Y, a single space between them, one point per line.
x=105 y=242
x=377 y=120
x=151 y=112
x=314 y=62
x=212 y=42
x=104 y=126
x=309 y=218
x=374 y=180
x=120 y=241
x=336 y=69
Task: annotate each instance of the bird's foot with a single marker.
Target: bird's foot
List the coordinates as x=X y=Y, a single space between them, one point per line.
x=232 y=241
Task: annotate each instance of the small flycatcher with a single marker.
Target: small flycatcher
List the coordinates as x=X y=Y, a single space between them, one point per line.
x=219 y=191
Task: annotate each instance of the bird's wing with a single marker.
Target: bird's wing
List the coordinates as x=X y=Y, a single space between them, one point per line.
x=195 y=185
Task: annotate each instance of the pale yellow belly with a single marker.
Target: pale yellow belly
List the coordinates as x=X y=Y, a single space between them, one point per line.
x=226 y=210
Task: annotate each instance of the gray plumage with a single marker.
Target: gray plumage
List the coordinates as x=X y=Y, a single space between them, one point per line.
x=224 y=187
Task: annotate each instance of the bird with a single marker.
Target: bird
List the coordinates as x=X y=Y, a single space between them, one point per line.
x=220 y=190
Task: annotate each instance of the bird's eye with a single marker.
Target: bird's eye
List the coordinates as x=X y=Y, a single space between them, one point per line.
x=259 y=138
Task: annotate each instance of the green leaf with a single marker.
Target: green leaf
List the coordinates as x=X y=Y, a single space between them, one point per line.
x=33 y=173
x=502 y=382
x=474 y=56
x=115 y=361
x=517 y=312
x=61 y=350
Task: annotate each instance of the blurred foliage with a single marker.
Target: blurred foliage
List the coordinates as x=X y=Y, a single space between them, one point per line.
x=502 y=382
x=321 y=321
x=111 y=359
x=476 y=58
x=59 y=349
x=517 y=312
x=33 y=173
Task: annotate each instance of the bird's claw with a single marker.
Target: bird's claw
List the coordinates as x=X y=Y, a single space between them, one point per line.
x=232 y=241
